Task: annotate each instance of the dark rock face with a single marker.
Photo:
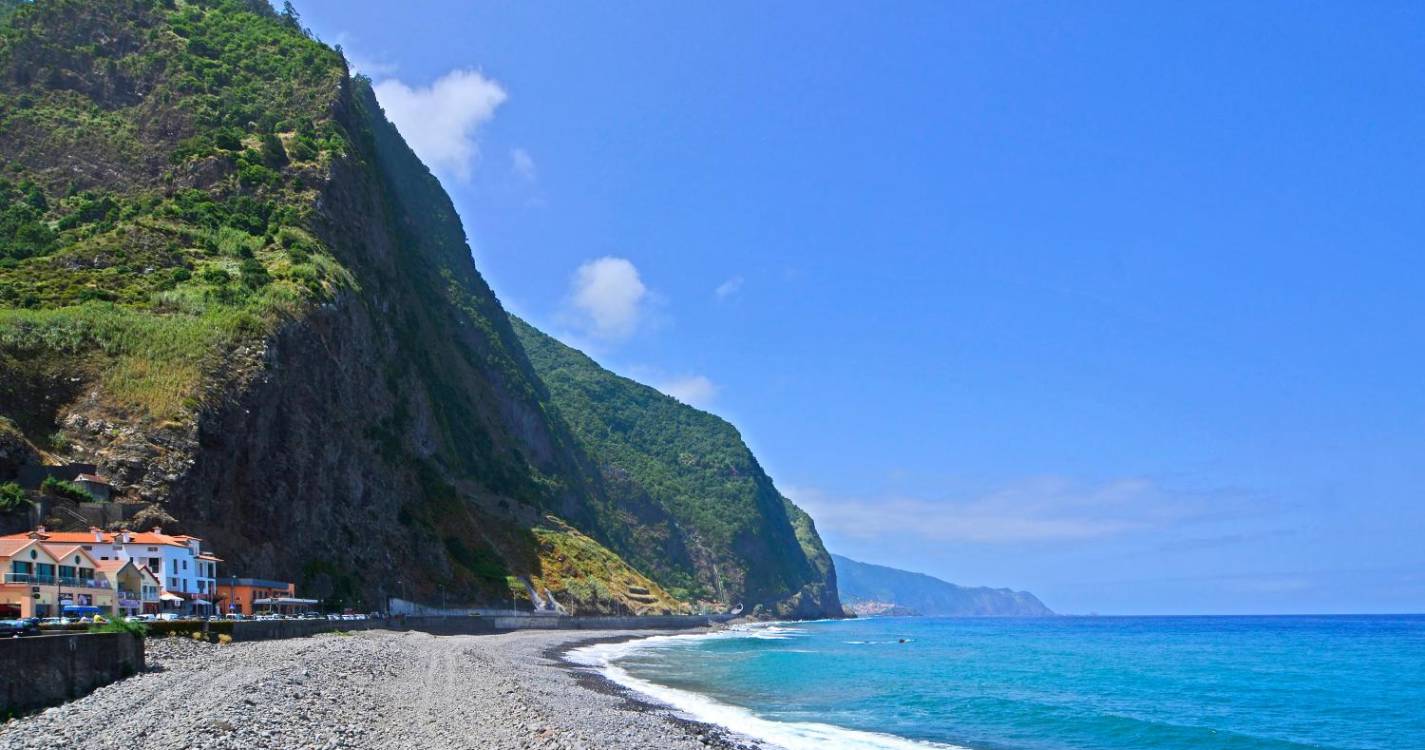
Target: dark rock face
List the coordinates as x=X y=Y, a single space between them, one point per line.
x=317 y=460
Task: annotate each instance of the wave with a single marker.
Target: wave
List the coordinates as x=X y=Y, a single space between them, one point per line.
x=790 y=735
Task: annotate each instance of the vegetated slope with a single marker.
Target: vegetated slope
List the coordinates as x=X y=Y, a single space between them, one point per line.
x=686 y=501
x=227 y=281
x=875 y=589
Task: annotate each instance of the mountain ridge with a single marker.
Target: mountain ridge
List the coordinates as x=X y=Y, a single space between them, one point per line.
x=870 y=589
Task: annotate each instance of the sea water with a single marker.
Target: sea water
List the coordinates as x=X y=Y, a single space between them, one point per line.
x=1059 y=683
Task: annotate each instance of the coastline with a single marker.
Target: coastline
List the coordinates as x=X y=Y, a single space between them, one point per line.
x=592 y=679
x=373 y=689
x=712 y=718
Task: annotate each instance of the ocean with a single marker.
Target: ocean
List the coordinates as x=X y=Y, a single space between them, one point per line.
x=1059 y=683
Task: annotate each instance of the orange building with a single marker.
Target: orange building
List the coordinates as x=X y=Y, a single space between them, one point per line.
x=240 y=594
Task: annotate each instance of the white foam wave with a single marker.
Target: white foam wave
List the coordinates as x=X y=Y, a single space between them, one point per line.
x=790 y=735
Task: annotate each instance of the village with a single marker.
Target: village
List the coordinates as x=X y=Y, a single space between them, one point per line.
x=58 y=577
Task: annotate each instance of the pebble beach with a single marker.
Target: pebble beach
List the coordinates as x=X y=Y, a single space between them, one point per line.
x=374 y=689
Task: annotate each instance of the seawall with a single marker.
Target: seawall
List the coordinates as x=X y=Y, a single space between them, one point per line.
x=42 y=671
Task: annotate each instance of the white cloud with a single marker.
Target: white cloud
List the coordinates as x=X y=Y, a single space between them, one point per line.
x=441 y=121
x=728 y=288
x=1043 y=509
x=693 y=390
x=608 y=298
x=522 y=164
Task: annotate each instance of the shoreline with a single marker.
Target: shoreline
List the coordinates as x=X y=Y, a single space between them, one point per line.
x=591 y=679
x=377 y=689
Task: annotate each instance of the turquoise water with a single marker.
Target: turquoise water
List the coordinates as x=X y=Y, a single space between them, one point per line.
x=1064 y=683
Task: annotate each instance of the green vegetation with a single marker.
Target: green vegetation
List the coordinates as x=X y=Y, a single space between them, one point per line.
x=67 y=490
x=576 y=568
x=172 y=245
x=681 y=486
x=120 y=625
x=12 y=497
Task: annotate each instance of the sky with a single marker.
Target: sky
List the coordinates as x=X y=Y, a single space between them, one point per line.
x=1120 y=303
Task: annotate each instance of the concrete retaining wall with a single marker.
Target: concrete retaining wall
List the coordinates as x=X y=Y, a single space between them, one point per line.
x=467 y=625
x=40 y=671
x=665 y=622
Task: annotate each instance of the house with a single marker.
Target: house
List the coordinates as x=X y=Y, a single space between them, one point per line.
x=47 y=580
x=136 y=588
x=250 y=596
x=187 y=575
x=95 y=485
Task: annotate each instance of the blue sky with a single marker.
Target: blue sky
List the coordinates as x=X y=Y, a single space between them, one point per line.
x=1121 y=303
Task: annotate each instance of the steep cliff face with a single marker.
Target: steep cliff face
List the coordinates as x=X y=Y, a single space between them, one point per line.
x=685 y=498
x=226 y=281
x=349 y=407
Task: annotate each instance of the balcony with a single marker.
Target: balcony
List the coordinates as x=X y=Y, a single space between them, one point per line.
x=64 y=582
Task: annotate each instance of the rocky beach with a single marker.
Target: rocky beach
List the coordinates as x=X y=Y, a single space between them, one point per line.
x=374 y=689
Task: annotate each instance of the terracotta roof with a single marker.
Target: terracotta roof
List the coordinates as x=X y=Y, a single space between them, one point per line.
x=91 y=478
x=107 y=537
x=109 y=566
x=9 y=546
x=61 y=551
x=209 y=556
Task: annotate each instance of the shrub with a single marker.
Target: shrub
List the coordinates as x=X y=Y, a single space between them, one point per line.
x=12 y=497
x=120 y=625
x=70 y=490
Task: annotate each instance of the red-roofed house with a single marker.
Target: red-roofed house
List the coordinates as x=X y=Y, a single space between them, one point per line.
x=43 y=579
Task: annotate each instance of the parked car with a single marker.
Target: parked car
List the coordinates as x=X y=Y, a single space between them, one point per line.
x=56 y=621
x=167 y=617
x=18 y=628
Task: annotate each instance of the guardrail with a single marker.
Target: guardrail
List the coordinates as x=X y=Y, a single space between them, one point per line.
x=65 y=581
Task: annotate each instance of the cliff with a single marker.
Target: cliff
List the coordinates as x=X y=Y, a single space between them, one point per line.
x=685 y=500
x=227 y=282
x=870 y=590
